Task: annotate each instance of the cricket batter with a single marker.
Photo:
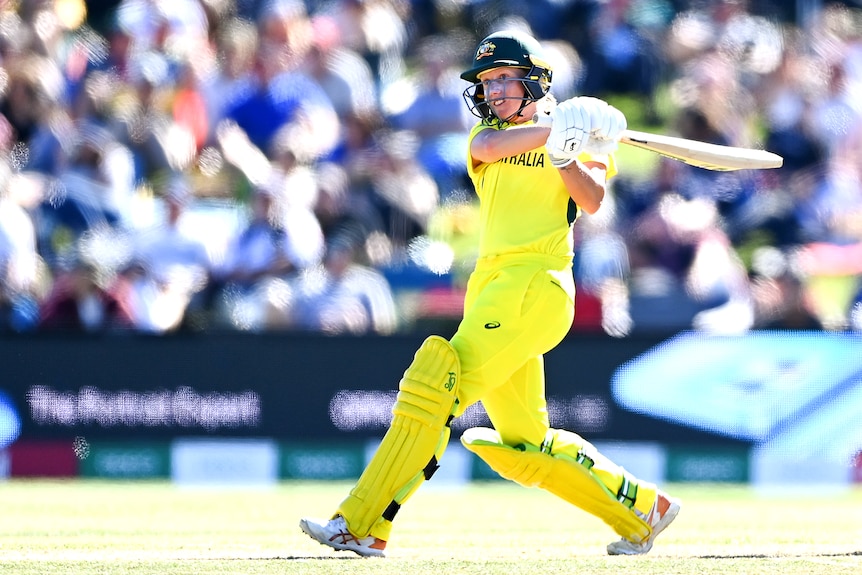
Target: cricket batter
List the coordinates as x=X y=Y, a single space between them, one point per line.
x=536 y=166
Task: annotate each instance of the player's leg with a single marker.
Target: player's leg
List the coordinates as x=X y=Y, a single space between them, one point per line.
x=524 y=449
x=634 y=509
x=537 y=317
x=363 y=522
x=407 y=455
x=489 y=341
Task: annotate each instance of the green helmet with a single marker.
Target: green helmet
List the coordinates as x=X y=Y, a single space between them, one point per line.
x=507 y=48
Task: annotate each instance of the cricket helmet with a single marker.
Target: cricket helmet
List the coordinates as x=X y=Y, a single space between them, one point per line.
x=507 y=48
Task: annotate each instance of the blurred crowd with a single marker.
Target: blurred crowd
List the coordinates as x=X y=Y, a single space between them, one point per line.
x=254 y=165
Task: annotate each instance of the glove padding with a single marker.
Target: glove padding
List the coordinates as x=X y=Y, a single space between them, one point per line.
x=544 y=108
x=607 y=124
x=570 y=131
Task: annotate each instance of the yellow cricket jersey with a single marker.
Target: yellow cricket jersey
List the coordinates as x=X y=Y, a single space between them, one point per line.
x=524 y=205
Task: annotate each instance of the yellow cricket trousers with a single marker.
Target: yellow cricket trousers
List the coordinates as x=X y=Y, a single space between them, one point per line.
x=517 y=308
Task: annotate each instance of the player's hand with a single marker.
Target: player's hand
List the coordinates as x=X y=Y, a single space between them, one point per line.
x=607 y=124
x=570 y=131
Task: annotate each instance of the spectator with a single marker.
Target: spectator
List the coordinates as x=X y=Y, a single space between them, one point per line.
x=100 y=157
x=169 y=266
x=601 y=269
x=33 y=89
x=787 y=109
x=93 y=190
x=189 y=109
x=19 y=258
x=261 y=248
x=343 y=296
x=437 y=116
x=837 y=114
x=236 y=43
x=405 y=193
x=781 y=299
x=339 y=208
x=267 y=249
x=343 y=74
x=85 y=299
x=685 y=272
x=282 y=98
x=291 y=183
x=165 y=26
x=619 y=57
x=374 y=29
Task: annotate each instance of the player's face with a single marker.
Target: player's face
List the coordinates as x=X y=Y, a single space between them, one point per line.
x=504 y=90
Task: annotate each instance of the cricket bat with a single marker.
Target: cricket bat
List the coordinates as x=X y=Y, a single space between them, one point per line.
x=701 y=154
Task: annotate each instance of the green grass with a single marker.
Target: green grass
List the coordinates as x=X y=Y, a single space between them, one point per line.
x=90 y=527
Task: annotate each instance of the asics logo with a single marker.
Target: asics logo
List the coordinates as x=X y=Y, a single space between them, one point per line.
x=345 y=537
x=492 y=325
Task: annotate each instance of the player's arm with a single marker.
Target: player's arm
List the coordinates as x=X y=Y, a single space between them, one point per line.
x=586 y=183
x=491 y=145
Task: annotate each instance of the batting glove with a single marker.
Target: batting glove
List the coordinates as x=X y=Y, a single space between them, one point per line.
x=607 y=124
x=570 y=131
x=544 y=109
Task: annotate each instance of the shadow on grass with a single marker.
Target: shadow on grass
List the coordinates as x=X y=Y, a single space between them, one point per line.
x=768 y=556
x=289 y=558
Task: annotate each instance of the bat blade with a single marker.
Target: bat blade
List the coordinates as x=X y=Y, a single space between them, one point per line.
x=702 y=154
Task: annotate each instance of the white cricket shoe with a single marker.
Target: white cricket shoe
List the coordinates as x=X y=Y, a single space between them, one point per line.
x=663 y=512
x=335 y=534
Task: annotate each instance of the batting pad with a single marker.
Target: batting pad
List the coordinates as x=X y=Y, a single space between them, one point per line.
x=416 y=439
x=564 y=477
